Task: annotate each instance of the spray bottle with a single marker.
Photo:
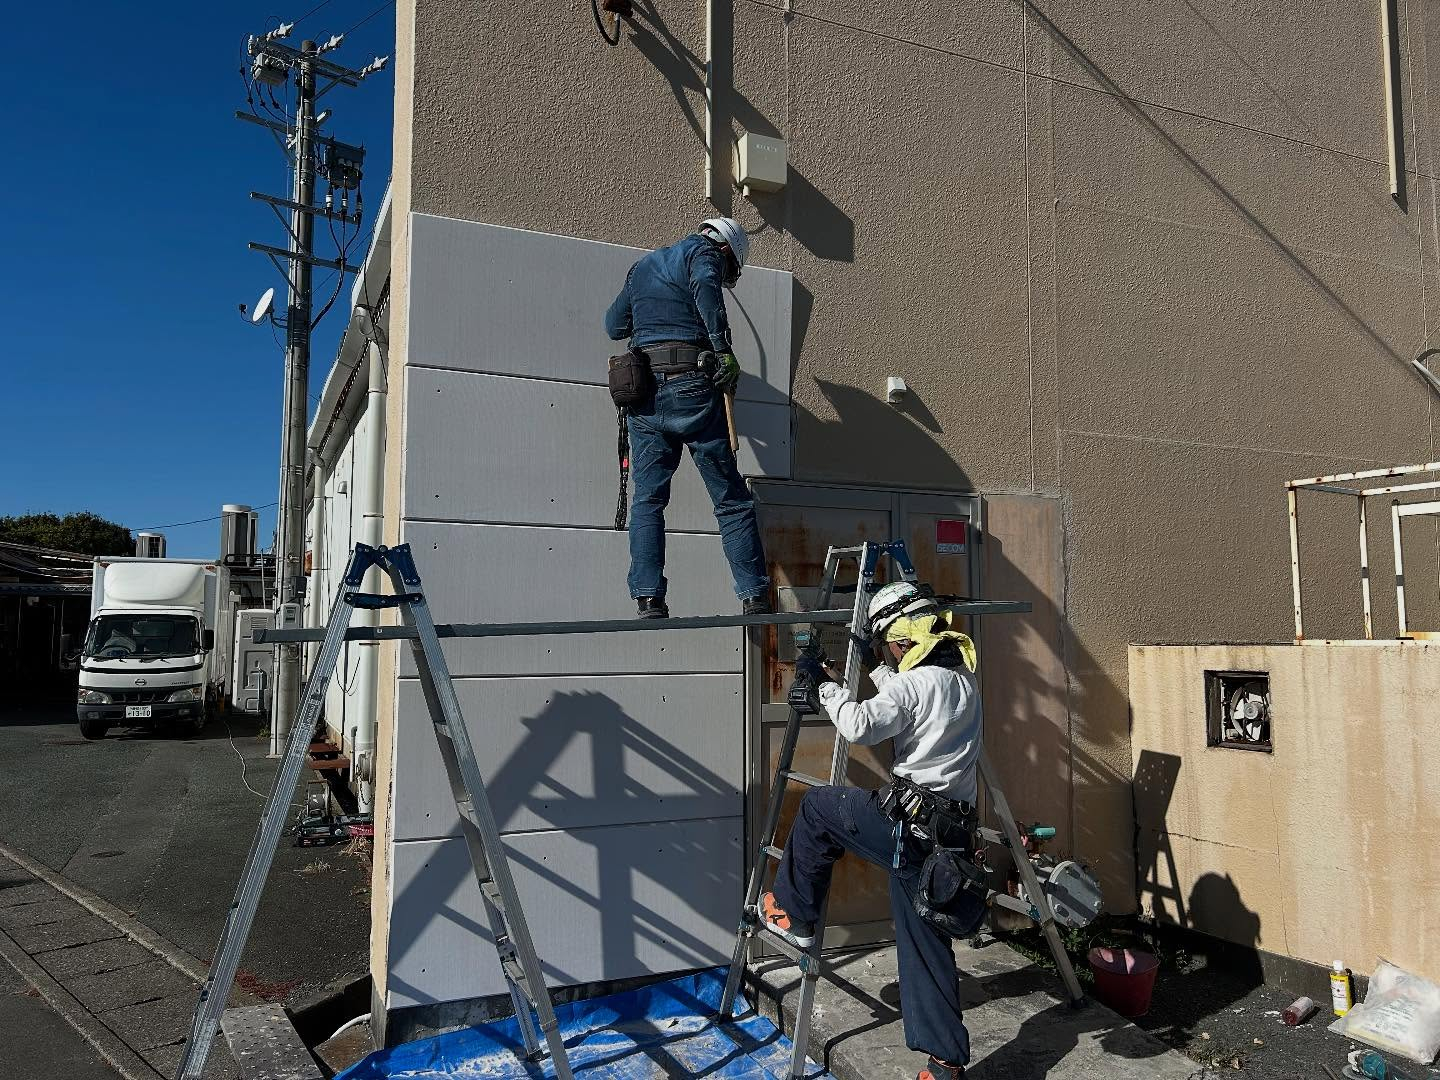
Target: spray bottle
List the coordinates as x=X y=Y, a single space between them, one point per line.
x=1342 y=990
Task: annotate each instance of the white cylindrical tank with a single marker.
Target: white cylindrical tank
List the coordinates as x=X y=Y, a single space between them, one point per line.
x=149 y=545
x=238 y=526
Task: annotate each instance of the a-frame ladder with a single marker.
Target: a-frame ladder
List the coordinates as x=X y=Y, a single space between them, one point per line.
x=526 y=983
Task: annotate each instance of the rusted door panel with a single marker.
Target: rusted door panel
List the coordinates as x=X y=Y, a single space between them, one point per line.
x=796 y=539
x=860 y=892
x=799 y=524
x=949 y=572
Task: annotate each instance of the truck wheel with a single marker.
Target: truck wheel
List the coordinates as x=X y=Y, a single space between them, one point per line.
x=197 y=725
x=94 y=729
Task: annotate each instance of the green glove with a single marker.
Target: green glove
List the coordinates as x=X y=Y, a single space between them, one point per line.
x=727 y=372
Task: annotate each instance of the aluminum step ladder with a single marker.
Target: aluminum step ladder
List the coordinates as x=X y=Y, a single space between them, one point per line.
x=521 y=967
x=767 y=852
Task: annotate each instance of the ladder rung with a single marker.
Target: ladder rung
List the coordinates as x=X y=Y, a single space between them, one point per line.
x=773 y=851
x=800 y=956
x=804 y=778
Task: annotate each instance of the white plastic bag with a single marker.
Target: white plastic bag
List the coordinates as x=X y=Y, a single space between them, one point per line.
x=1401 y=1013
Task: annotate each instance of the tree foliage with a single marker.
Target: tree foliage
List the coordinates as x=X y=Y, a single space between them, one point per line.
x=86 y=533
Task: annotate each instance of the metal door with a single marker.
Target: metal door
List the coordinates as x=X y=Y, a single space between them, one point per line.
x=798 y=523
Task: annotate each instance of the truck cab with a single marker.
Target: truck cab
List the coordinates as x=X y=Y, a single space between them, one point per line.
x=150 y=655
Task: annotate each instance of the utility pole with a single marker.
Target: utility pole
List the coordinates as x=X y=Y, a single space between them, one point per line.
x=275 y=64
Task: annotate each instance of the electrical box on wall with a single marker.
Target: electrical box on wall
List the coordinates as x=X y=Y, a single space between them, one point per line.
x=762 y=163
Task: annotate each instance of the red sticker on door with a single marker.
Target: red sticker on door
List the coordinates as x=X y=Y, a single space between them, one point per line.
x=951 y=536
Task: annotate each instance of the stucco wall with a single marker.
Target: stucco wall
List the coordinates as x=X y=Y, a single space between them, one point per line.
x=1321 y=850
x=1140 y=257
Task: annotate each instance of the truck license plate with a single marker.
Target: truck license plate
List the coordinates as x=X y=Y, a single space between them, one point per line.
x=137 y=712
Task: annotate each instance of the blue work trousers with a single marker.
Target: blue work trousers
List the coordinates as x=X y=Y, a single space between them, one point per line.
x=687 y=411
x=834 y=820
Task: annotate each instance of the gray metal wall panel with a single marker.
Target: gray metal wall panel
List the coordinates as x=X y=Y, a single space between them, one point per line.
x=566 y=753
x=503 y=573
x=511 y=301
x=608 y=903
x=532 y=451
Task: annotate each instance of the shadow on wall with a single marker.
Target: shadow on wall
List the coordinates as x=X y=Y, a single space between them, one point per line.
x=524 y=781
x=1151 y=127
x=807 y=213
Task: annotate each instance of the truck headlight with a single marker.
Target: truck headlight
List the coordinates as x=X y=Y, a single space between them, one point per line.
x=92 y=697
x=190 y=693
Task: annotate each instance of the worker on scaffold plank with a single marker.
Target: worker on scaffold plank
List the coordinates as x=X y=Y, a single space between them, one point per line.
x=920 y=827
x=672 y=308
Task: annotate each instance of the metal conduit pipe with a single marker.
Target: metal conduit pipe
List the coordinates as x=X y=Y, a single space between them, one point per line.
x=372 y=485
x=314 y=600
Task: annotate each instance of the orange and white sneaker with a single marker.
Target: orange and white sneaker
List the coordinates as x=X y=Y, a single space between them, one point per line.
x=801 y=935
x=939 y=1070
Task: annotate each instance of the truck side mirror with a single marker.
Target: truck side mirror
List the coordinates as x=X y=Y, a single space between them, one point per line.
x=67 y=645
x=207 y=640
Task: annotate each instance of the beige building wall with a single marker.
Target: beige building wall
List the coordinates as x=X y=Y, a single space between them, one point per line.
x=1321 y=850
x=1139 y=259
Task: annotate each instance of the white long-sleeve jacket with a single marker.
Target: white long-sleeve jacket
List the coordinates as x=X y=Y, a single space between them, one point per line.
x=932 y=713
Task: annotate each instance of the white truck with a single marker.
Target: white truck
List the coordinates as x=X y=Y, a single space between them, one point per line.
x=157 y=650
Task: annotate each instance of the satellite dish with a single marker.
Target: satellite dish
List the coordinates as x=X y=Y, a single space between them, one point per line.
x=263 y=306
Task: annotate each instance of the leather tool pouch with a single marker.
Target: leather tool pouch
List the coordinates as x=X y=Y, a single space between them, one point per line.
x=630 y=380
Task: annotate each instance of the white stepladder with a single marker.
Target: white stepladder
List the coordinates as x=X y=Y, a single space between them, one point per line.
x=523 y=977
x=1067 y=888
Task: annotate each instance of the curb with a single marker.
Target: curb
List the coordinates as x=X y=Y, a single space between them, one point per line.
x=141 y=934
x=125 y=1061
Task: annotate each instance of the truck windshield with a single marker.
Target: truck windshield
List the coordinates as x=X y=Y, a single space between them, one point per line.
x=116 y=637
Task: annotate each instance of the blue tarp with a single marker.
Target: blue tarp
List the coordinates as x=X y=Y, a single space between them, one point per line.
x=664 y=1030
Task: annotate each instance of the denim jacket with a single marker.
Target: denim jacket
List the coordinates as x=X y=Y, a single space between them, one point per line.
x=674 y=294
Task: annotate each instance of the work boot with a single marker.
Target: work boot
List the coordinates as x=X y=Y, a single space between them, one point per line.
x=756 y=605
x=939 y=1070
x=652 y=607
x=801 y=935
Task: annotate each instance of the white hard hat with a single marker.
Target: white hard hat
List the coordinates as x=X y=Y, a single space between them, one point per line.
x=729 y=230
x=899 y=599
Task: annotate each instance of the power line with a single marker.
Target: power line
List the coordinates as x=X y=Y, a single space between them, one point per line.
x=312 y=11
x=367 y=18
x=197 y=521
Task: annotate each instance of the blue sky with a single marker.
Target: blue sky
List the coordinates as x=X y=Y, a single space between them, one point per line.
x=131 y=386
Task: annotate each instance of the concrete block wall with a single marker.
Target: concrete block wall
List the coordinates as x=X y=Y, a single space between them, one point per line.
x=1320 y=850
x=616 y=765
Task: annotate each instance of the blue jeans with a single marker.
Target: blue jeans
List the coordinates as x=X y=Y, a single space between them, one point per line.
x=834 y=820
x=687 y=411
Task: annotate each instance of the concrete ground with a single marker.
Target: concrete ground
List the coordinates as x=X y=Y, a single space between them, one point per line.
x=155 y=828
x=35 y=1033
x=1020 y=1027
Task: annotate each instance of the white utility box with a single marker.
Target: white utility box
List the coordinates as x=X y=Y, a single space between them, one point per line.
x=761 y=163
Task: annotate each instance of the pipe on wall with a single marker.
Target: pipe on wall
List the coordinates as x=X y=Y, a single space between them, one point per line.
x=372 y=486
x=315 y=614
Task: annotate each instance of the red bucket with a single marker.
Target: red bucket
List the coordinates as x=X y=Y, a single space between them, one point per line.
x=1124 y=978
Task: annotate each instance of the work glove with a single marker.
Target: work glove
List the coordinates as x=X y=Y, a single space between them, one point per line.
x=727 y=372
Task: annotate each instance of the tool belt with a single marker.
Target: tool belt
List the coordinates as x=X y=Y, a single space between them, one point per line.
x=951 y=890
x=931 y=818
x=678 y=358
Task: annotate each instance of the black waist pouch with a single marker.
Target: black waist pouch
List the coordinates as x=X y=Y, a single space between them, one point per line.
x=631 y=382
x=951 y=893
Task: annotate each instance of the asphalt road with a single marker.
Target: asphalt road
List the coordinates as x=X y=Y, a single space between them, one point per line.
x=160 y=825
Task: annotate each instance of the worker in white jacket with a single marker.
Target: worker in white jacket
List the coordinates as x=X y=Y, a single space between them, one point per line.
x=928 y=703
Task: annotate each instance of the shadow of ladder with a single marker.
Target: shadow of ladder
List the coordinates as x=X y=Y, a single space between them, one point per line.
x=1154 y=787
